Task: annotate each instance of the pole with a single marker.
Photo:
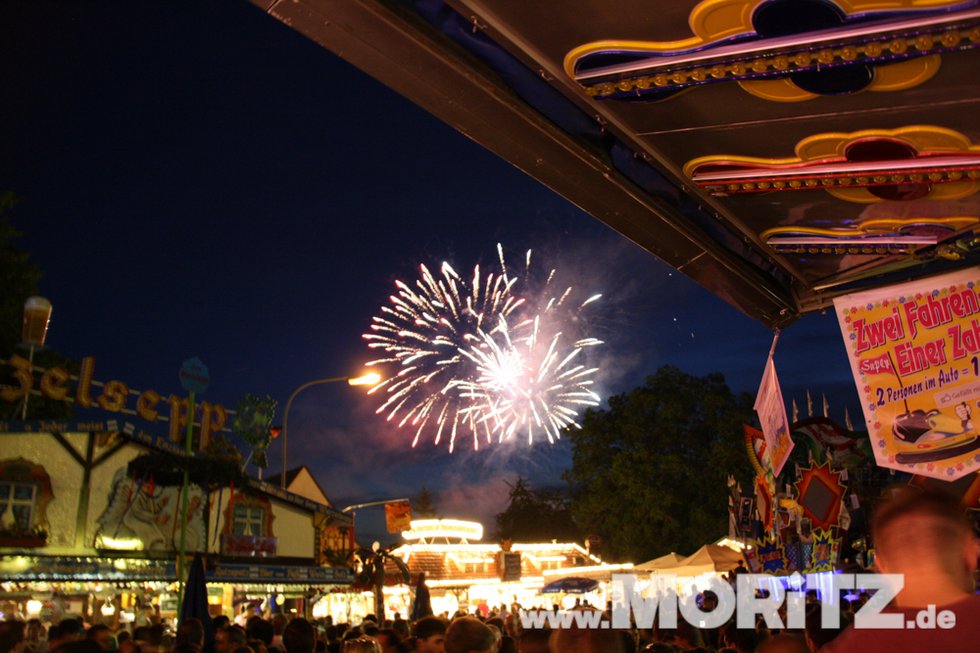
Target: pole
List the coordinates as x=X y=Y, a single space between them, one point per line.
x=369 y=504
x=285 y=419
x=183 y=510
x=27 y=395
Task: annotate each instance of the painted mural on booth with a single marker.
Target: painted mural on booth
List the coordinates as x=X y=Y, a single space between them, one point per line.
x=144 y=516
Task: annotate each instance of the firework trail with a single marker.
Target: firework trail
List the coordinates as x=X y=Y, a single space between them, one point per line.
x=483 y=357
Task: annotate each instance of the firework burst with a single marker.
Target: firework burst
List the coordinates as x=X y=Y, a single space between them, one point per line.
x=483 y=356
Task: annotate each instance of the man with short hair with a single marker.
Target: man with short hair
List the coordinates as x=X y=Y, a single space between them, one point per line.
x=299 y=636
x=534 y=640
x=469 y=635
x=783 y=643
x=926 y=537
x=101 y=635
x=229 y=638
x=70 y=630
x=430 y=635
x=11 y=636
x=587 y=640
x=190 y=633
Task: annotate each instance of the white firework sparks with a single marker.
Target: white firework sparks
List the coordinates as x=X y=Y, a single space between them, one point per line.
x=477 y=357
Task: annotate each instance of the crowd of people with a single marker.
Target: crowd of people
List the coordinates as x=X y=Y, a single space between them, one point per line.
x=923 y=537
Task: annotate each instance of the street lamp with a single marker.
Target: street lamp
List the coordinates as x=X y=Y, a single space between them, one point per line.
x=370 y=379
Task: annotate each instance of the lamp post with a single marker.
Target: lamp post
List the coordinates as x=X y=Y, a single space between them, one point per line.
x=369 y=379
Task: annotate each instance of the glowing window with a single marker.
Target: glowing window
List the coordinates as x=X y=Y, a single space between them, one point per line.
x=17 y=503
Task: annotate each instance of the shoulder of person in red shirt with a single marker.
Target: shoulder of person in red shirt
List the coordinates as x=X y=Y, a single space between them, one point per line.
x=963 y=636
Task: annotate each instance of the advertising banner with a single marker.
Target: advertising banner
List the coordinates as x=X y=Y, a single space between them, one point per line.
x=914 y=351
x=772 y=415
x=398 y=516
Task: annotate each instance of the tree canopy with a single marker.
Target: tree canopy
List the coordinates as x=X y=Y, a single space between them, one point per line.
x=536 y=515
x=20 y=276
x=423 y=505
x=649 y=474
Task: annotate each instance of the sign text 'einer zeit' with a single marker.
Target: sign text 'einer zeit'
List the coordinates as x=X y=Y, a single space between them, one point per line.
x=54 y=384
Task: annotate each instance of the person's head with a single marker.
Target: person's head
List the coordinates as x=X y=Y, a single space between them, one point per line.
x=925 y=533
x=362 y=644
x=260 y=629
x=783 y=644
x=11 y=636
x=101 y=635
x=656 y=647
x=744 y=640
x=35 y=630
x=154 y=634
x=190 y=631
x=469 y=635
x=219 y=622
x=534 y=640
x=430 y=635
x=70 y=630
x=388 y=640
x=709 y=601
x=279 y=622
x=299 y=636
x=583 y=640
x=816 y=634
x=79 y=646
x=401 y=628
x=229 y=638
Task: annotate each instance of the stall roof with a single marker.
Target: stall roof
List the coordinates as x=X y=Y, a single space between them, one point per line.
x=779 y=152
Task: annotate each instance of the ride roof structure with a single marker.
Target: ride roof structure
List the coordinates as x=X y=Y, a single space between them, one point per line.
x=778 y=152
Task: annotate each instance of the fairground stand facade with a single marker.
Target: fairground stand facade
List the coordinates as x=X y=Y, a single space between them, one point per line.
x=463 y=573
x=91 y=511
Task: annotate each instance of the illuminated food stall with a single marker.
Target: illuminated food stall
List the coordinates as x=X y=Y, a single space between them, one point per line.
x=463 y=573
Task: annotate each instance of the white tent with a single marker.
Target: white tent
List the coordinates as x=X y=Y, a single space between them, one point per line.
x=658 y=564
x=709 y=559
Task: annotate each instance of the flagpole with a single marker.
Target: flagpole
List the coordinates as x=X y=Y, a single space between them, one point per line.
x=775 y=339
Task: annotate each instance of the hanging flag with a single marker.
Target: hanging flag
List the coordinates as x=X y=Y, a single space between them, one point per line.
x=772 y=415
x=828 y=436
x=809 y=404
x=796 y=413
x=826 y=406
x=847 y=420
x=398 y=516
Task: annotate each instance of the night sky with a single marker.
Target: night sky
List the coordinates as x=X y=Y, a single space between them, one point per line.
x=196 y=179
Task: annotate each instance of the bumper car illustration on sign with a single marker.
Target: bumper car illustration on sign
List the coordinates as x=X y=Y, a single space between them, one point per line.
x=784 y=50
x=910 y=163
x=935 y=435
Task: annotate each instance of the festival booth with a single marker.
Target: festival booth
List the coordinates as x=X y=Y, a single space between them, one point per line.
x=590 y=584
x=95 y=512
x=464 y=574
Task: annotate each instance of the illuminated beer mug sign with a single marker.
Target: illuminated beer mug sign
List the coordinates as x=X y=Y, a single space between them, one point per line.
x=37 y=313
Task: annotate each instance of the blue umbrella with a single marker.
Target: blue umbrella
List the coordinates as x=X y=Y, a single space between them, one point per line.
x=570 y=585
x=196 y=600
